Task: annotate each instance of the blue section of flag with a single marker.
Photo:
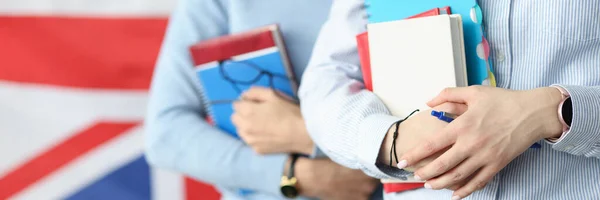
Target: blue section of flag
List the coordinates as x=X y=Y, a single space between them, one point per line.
x=129 y=182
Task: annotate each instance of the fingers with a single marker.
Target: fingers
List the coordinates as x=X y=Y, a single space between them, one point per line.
x=478 y=182
x=430 y=146
x=236 y=120
x=240 y=124
x=456 y=95
x=447 y=161
x=258 y=94
x=243 y=108
x=456 y=176
x=458 y=185
x=453 y=108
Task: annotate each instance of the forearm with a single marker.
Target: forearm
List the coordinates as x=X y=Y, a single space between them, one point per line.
x=583 y=138
x=178 y=138
x=346 y=121
x=188 y=145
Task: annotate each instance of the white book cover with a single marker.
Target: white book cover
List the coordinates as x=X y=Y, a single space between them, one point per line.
x=413 y=60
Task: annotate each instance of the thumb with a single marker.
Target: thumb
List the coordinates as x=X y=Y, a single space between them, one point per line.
x=455 y=95
x=258 y=94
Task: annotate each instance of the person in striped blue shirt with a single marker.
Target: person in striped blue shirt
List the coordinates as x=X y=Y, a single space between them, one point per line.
x=547 y=63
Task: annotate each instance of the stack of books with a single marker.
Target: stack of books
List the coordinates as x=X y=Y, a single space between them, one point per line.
x=413 y=49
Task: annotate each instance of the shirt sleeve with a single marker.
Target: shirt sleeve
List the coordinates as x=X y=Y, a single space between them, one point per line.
x=177 y=137
x=346 y=121
x=583 y=138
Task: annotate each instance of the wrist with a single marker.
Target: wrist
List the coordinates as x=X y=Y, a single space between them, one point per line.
x=303 y=173
x=552 y=126
x=298 y=177
x=386 y=146
x=301 y=142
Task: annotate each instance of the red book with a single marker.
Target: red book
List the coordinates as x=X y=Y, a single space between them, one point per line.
x=399 y=187
x=362 y=42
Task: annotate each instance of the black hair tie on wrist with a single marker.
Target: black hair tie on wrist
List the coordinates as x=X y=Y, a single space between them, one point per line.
x=393 y=149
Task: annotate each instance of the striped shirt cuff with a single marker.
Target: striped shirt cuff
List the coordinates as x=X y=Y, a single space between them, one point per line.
x=583 y=138
x=372 y=133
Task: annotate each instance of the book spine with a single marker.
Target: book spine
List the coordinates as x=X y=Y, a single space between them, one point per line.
x=280 y=44
x=208 y=112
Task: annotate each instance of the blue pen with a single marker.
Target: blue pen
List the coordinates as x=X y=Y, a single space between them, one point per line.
x=447 y=117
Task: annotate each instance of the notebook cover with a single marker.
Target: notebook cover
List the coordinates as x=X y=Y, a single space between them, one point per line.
x=476 y=49
x=430 y=55
x=362 y=41
x=261 y=48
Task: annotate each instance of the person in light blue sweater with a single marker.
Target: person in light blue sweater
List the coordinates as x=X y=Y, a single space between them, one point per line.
x=179 y=139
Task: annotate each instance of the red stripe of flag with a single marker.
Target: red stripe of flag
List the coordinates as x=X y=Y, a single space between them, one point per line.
x=80 y=52
x=197 y=190
x=108 y=53
x=60 y=155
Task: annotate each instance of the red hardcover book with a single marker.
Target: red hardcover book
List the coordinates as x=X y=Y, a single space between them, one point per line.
x=362 y=41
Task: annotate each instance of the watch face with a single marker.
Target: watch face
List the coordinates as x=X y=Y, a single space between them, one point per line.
x=567 y=111
x=289 y=191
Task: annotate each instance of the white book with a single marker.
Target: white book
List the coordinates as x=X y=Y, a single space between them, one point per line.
x=413 y=60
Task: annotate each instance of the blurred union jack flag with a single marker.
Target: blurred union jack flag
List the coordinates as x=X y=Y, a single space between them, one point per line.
x=74 y=76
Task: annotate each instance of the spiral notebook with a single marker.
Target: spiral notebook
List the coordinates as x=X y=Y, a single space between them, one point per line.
x=229 y=65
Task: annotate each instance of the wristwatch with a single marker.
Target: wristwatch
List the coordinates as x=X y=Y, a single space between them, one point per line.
x=289 y=181
x=565 y=111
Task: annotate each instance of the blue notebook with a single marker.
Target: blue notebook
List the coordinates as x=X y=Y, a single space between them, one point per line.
x=479 y=69
x=229 y=65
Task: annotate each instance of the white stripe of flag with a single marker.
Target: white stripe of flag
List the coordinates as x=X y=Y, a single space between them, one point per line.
x=110 y=8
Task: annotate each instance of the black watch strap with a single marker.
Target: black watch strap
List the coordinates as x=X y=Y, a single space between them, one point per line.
x=289 y=181
x=293 y=164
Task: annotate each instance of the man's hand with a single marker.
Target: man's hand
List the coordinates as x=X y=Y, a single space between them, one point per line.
x=416 y=130
x=270 y=124
x=498 y=126
x=324 y=179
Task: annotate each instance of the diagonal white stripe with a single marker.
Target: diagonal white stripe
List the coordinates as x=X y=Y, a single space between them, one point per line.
x=87 y=168
x=33 y=117
x=87 y=7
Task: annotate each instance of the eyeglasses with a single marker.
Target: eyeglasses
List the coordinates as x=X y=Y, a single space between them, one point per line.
x=252 y=74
